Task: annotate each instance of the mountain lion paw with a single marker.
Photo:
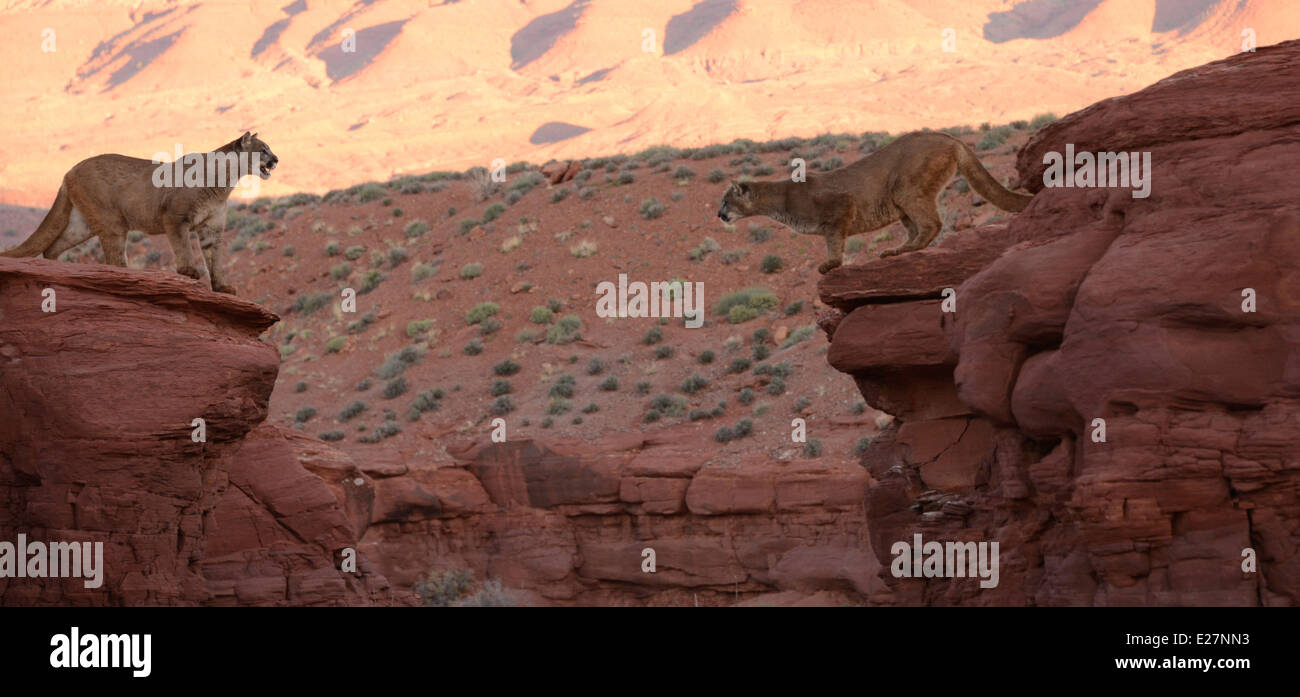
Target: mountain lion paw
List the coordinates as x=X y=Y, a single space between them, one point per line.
x=828 y=265
x=189 y=271
x=223 y=288
x=891 y=252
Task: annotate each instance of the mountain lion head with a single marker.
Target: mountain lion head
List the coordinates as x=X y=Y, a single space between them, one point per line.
x=267 y=160
x=737 y=202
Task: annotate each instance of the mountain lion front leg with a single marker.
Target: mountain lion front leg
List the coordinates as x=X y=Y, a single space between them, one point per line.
x=178 y=234
x=834 y=251
x=113 y=244
x=210 y=242
x=839 y=211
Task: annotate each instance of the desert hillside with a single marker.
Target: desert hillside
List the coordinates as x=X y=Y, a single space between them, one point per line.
x=459 y=278
x=356 y=91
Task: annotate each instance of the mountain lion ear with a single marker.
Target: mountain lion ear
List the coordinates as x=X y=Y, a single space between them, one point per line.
x=246 y=138
x=744 y=188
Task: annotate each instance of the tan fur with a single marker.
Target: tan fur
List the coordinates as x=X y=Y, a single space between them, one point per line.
x=111 y=195
x=899 y=182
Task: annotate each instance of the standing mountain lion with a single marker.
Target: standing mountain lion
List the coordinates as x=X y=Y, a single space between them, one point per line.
x=112 y=195
x=900 y=181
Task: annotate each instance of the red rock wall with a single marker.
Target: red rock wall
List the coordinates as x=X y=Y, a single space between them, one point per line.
x=96 y=404
x=566 y=523
x=1095 y=304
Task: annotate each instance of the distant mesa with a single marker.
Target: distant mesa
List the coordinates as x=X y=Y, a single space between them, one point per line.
x=1037 y=19
x=370 y=42
x=554 y=132
x=1045 y=19
x=123 y=58
x=273 y=32
x=538 y=36
x=685 y=29
x=269 y=36
x=1180 y=14
x=139 y=55
x=329 y=31
x=596 y=76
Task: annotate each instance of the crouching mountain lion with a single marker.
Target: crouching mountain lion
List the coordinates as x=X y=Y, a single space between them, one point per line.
x=112 y=195
x=900 y=181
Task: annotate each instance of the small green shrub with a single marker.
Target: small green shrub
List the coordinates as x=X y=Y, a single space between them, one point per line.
x=370 y=281
x=395 y=388
x=419 y=272
x=567 y=330
x=480 y=312
x=563 y=386
x=503 y=405
x=651 y=208
x=694 y=384
x=352 y=410
x=397 y=363
x=1042 y=120
x=417 y=327
x=755 y=298
x=493 y=212
x=668 y=405
x=396 y=256
x=799 y=335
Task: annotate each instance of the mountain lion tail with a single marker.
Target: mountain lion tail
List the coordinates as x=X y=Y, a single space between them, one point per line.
x=985 y=185
x=55 y=222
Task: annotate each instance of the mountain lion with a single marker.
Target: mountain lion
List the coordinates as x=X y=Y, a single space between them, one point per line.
x=900 y=181
x=112 y=195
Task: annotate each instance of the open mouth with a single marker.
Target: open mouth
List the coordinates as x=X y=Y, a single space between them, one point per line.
x=264 y=171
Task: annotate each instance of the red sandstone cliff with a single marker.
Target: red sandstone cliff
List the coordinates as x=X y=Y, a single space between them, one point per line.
x=1090 y=304
x=569 y=522
x=98 y=398
x=1093 y=304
